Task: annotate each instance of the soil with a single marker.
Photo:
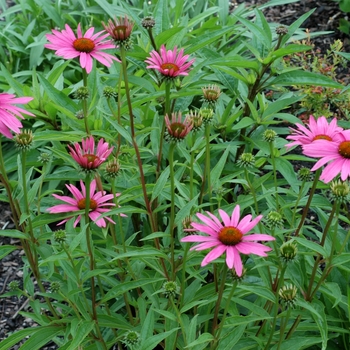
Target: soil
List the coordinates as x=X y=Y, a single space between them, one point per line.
x=325 y=18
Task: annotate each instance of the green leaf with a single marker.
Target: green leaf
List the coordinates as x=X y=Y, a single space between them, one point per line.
x=288 y=50
x=39 y=337
x=287 y=170
x=342 y=259
x=344 y=5
x=234 y=61
x=6 y=250
x=314 y=247
x=15 y=338
x=114 y=321
x=204 y=338
x=120 y=289
x=161 y=15
x=257 y=31
x=205 y=39
x=84 y=328
x=151 y=342
x=217 y=170
x=58 y=97
x=243 y=320
x=300 y=77
x=13 y=234
x=333 y=291
x=160 y=184
x=298 y=342
x=243 y=123
x=259 y=290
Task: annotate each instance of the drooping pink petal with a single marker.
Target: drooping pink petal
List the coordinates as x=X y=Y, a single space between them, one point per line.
x=214 y=254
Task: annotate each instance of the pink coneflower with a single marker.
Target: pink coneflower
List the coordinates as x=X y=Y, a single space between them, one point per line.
x=97 y=201
x=120 y=29
x=86 y=46
x=229 y=237
x=316 y=130
x=336 y=153
x=87 y=155
x=177 y=129
x=169 y=63
x=9 y=112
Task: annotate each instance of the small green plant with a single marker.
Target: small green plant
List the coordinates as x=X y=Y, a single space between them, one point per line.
x=322 y=100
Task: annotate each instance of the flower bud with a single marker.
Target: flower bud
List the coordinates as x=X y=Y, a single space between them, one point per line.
x=246 y=160
x=13 y=286
x=55 y=287
x=148 y=22
x=44 y=157
x=207 y=115
x=288 y=295
x=24 y=140
x=211 y=94
x=339 y=191
x=82 y=93
x=288 y=251
x=109 y=92
x=304 y=174
x=269 y=135
x=131 y=338
x=281 y=30
x=60 y=236
x=112 y=168
x=196 y=119
x=233 y=275
x=170 y=289
x=274 y=219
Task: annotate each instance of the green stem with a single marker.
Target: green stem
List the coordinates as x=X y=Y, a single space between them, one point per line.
x=179 y=320
x=84 y=103
x=297 y=201
x=78 y=280
x=172 y=208
x=293 y=327
x=253 y=193
x=218 y=301
x=92 y=260
x=283 y=327
x=329 y=266
x=139 y=161
x=272 y=154
x=183 y=277
x=191 y=165
x=133 y=136
x=5 y=181
x=167 y=111
x=222 y=320
x=150 y=34
x=276 y=306
x=206 y=175
x=309 y=294
x=307 y=206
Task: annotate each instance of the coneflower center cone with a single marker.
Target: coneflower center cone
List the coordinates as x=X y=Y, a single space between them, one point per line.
x=230 y=235
x=344 y=149
x=177 y=128
x=82 y=204
x=322 y=137
x=120 y=30
x=170 y=66
x=90 y=157
x=84 y=45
